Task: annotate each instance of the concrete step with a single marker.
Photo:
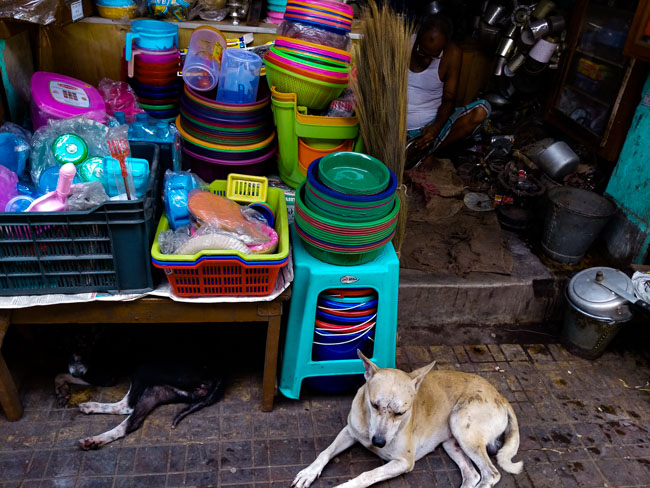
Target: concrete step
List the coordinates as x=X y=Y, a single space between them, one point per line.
x=530 y=295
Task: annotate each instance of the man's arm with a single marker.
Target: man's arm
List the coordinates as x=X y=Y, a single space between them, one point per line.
x=449 y=73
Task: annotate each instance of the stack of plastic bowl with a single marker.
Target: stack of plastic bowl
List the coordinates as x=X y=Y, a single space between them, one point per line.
x=310 y=56
x=345 y=321
x=219 y=138
x=116 y=9
x=151 y=64
x=275 y=11
x=346 y=211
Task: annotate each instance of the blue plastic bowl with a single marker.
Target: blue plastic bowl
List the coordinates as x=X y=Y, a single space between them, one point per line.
x=312 y=176
x=345 y=305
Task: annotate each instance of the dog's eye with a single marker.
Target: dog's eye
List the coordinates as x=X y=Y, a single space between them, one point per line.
x=375 y=406
x=398 y=414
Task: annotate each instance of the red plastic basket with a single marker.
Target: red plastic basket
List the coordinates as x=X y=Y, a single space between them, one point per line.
x=213 y=277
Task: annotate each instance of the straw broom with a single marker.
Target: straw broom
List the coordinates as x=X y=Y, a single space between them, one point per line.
x=382 y=60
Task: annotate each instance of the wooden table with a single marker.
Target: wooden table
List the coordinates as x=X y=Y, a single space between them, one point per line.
x=148 y=310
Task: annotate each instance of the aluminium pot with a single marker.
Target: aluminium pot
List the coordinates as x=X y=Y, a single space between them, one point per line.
x=594 y=315
x=558 y=160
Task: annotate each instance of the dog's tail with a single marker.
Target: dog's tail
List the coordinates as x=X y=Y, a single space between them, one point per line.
x=510 y=445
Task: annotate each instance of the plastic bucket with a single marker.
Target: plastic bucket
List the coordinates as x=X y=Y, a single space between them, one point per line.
x=203 y=60
x=338 y=351
x=573 y=220
x=239 y=77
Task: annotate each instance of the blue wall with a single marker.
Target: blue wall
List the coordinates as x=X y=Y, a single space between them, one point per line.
x=629 y=184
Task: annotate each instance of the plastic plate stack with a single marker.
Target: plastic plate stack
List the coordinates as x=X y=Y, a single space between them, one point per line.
x=345 y=322
x=275 y=11
x=219 y=138
x=346 y=211
x=304 y=60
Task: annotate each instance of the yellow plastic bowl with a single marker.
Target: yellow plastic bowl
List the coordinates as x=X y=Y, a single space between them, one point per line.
x=117 y=12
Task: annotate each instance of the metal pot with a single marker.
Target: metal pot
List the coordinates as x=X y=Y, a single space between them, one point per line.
x=594 y=314
x=558 y=160
x=535 y=31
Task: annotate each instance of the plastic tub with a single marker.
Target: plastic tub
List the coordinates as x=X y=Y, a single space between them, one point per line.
x=57 y=97
x=239 y=77
x=118 y=12
x=203 y=59
x=353 y=173
x=313 y=49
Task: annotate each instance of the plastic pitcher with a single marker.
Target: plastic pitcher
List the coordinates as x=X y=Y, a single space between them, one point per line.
x=239 y=77
x=203 y=60
x=153 y=35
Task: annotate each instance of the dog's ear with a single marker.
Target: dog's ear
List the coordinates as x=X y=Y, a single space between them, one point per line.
x=371 y=368
x=419 y=374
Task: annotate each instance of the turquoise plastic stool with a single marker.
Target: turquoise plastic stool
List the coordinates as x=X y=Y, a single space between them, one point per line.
x=311 y=277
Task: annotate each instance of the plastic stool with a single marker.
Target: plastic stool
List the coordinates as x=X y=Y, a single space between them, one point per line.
x=311 y=277
x=292 y=125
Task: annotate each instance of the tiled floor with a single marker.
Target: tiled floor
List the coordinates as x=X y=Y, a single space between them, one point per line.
x=582 y=424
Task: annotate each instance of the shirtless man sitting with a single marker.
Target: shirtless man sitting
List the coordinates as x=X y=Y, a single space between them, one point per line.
x=433 y=120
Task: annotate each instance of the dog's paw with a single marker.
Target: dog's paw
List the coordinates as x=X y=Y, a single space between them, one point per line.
x=89 y=443
x=86 y=407
x=305 y=478
x=63 y=395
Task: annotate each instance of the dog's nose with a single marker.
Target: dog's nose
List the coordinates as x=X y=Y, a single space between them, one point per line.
x=378 y=441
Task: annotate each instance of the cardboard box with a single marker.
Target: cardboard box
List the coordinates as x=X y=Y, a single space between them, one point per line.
x=69 y=11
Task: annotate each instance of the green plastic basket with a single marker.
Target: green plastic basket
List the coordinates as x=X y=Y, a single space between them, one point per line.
x=314 y=94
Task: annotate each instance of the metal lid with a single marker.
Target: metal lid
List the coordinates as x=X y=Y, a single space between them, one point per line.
x=586 y=295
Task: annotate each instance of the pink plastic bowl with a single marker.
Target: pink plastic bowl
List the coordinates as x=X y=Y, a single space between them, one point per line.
x=313 y=49
x=305 y=67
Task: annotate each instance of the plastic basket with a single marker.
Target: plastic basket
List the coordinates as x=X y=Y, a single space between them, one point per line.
x=230 y=273
x=105 y=249
x=245 y=188
x=310 y=92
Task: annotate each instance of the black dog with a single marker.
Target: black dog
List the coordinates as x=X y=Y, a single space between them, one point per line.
x=152 y=384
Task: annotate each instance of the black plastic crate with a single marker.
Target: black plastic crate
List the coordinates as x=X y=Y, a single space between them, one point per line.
x=106 y=249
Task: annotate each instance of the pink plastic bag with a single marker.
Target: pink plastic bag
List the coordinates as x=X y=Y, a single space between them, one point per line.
x=119 y=97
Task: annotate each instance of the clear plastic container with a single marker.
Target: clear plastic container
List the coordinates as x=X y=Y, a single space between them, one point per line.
x=239 y=77
x=203 y=60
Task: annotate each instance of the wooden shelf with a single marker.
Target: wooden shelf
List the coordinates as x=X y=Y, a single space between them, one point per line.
x=223 y=25
x=600 y=58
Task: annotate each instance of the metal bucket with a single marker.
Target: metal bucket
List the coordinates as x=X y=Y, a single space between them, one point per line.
x=573 y=220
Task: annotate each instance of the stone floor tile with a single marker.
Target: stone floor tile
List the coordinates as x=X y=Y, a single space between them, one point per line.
x=539 y=352
x=443 y=354
x=96 y=482
x=101 y=462
x=586 y=474
x=513 y=352
x=615 y=472
x=417 y=356
x=497 y=354
x=461 y=354
x=543 y=475
x=479 y=354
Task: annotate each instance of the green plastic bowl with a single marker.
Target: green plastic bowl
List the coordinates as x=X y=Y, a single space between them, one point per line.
x=347 y=203
x=353 y=173
x=341 y=258
x=329 y=210
x=343 y=240
x=342 y=223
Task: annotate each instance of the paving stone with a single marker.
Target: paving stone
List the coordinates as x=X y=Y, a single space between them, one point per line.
x=479 y=353
x=579 y=427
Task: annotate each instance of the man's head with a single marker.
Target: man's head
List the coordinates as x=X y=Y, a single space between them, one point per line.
x=434 y=33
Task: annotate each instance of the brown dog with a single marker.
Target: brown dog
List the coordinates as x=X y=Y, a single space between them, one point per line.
x=401 y=417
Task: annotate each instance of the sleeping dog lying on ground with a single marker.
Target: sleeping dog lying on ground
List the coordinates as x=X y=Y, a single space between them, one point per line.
x=401 y=417
x=152 y=384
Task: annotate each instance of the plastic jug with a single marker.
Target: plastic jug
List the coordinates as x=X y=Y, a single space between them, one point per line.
x=203 y=59
x=239 y=77
x=56 y=201
x=151 y=35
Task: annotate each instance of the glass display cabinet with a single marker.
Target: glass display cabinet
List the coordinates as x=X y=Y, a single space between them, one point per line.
x=598 y=86
x=638 y=42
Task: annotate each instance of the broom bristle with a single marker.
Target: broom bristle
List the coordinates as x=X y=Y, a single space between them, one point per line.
x=382 y=60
